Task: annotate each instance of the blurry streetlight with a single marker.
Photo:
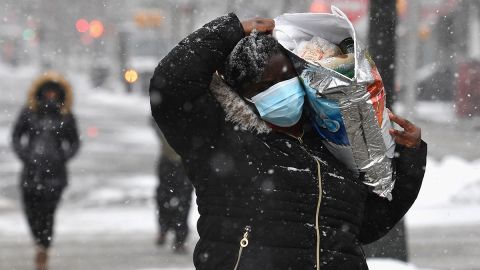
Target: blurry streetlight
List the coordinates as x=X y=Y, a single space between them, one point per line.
x=96 y=29
x=131 y=76
x=413 y=8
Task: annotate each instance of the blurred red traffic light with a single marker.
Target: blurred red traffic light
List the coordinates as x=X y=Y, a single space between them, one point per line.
x=82 y=25
x=93 y=29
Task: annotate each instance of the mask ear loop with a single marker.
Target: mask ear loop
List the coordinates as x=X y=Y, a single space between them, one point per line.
x=249 y=100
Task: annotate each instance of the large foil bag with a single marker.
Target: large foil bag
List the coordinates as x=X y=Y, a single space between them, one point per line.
x=349 y=114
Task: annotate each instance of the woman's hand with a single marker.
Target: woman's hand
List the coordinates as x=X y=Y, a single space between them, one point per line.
x=410 y=136
x=262 y=25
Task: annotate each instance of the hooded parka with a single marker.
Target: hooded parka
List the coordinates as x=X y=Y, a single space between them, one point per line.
x=45 y=137
x=51 y=137
x=266 y=200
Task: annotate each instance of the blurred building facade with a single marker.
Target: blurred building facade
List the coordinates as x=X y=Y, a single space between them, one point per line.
x=47 y=28
x=44 y=33
x=448 y=35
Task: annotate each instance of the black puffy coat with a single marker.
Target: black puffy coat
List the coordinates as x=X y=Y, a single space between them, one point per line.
x=45 y=141
x=298 y=207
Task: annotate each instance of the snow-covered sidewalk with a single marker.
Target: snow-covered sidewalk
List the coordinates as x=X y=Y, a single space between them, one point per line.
x=117 y=136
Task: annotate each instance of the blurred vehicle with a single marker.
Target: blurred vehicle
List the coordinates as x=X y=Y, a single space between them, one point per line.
x=436 y=82
x=141 y=45
x=467 y=94
x=11 y=44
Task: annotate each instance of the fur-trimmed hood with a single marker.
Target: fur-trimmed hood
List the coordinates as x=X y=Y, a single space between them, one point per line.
x=51 y=76
x=236 y=109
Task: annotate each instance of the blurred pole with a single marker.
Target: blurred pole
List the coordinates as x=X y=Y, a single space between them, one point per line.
x=192 y=14
x=382 y=45
x=413 y=9
x=474 y=42
x=44 y=44
x=174 y=24
x=382 y=42
x=287 y=4
x=231 y=6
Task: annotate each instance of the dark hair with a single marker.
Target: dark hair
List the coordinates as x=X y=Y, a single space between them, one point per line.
x=246 y=62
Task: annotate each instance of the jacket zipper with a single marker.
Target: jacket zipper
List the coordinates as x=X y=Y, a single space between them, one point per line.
x=317 y=216
x=319 y=201
x=243 y=244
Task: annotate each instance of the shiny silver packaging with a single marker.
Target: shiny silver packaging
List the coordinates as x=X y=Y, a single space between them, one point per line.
x=349 y=114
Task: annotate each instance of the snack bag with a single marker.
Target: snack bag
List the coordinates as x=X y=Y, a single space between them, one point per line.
x=347 y=112
x=317 y=49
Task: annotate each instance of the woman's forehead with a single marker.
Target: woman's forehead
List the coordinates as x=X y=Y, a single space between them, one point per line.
x=278 y=68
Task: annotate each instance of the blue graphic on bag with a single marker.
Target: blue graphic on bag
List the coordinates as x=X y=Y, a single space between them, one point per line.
x=326 y=118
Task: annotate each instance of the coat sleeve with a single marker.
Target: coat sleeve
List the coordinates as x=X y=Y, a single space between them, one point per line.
x=20 y=129
x=71 y=137
x=181 y=105
x=380 y=214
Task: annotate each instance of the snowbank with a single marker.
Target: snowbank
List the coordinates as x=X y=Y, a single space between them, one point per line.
x=388 y=264
x=450 y=194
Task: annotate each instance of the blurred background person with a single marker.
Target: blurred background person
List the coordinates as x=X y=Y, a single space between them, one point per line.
x=173 y=196
x=44 y=138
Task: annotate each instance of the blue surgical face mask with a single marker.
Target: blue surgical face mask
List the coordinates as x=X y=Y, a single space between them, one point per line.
x=282 y=103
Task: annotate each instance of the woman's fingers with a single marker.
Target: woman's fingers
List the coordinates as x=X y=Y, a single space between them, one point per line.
x=404 y=123
x=263 y=25
x=410 y=136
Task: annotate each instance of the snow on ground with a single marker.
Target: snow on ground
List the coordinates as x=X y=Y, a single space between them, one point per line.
x=21 y=72
x=120 y=100
x=124 y=208
x=91 y=222
x=373 y=264
x=145 y=135
x=4 y=136
x=450 y=181
x=388 y=264
x=450 y=194
x=187 y=268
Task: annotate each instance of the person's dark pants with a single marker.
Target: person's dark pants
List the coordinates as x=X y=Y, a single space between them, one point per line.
x=39 y=208
x=174 y=195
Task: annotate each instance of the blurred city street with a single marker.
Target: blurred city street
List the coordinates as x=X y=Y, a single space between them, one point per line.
x=122 y=252
x=107 y=217
x=112 y=175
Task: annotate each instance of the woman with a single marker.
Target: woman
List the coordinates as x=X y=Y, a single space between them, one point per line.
x=44 y=138
x=270 y=196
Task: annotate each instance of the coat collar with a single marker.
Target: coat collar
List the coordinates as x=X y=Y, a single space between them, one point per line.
x=236 y=109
